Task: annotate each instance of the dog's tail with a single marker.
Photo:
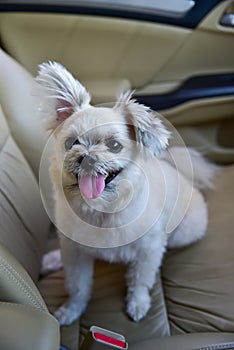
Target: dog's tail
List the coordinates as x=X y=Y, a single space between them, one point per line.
x=193 y=165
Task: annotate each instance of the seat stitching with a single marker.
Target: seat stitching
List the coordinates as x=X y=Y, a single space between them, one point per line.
x=4 y=144
x=23 y=285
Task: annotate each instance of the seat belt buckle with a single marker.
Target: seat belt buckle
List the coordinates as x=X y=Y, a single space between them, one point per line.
x=99 y=339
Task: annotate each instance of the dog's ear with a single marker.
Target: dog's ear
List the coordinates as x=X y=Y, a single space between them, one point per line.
x=61 y=94
x=149 y=129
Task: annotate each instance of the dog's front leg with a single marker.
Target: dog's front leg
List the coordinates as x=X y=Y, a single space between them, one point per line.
x=78 y=268
x=141 y=276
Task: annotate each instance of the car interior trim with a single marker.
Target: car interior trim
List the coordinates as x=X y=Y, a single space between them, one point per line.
x=190 y=20
x=207 y=86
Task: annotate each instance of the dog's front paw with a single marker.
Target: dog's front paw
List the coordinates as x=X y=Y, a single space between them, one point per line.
x=67 y=314
x=138 y=303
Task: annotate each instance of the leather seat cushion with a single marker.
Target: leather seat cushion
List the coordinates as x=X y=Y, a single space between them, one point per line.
x=199 y=280
x=106 y=308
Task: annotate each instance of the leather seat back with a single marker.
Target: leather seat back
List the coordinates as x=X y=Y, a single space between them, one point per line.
x=24 y=223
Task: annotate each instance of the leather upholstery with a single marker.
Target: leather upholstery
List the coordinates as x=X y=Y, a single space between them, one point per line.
x=27 y=328
x=24 y=318
x=196 y=341
x=198 y=280
x=24 y=222
x=20 y=109
x=16 y=284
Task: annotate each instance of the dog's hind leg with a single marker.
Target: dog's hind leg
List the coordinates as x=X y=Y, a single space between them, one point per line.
x=194 y=224
x=78 y=268
x=51 y=262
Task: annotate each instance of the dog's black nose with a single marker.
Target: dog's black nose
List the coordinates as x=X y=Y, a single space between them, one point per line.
x=87 y=161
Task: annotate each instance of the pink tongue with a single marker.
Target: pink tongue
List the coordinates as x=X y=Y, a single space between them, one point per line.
x=92 y=186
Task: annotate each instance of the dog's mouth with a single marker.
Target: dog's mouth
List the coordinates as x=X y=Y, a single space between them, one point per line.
x=92 y=186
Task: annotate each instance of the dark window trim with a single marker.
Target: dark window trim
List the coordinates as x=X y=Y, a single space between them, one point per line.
x=208 y=86
x=190 y=20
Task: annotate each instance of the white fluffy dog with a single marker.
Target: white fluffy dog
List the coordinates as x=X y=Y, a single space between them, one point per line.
x=120 y=195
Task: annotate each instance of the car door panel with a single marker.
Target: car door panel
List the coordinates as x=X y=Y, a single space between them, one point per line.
x=157 y=59
x=92 y=47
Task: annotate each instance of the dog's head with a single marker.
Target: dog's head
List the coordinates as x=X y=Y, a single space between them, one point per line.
x=95 y=144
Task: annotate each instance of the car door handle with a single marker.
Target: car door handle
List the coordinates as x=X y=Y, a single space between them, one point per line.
x=227 y=20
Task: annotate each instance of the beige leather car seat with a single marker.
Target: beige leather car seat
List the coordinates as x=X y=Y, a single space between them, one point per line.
x=24 y=318
x=25 y=321
x=192 y=301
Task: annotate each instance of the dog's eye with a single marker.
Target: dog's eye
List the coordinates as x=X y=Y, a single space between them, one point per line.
x=70 y=142
x=114 y=146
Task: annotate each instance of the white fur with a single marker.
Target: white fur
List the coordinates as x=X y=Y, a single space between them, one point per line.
x=185 y=208
x=51 y=262
x=56 y=89
x=203 y=172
